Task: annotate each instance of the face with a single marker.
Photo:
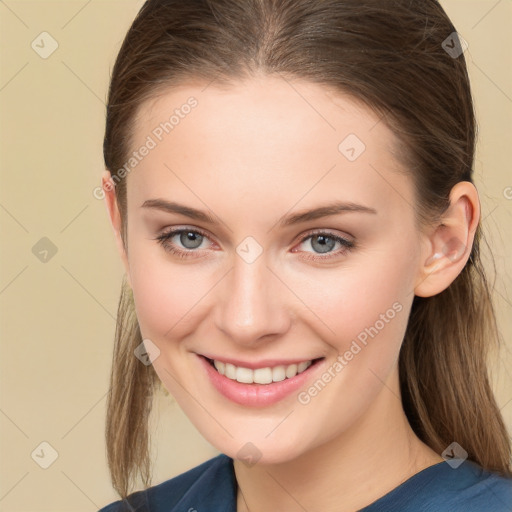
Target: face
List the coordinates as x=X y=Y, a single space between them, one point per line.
x=233 y=282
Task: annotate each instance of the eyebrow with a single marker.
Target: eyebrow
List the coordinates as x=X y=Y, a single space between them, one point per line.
x=333 y=208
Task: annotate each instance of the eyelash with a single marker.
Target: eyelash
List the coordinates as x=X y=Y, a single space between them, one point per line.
x=164 y=238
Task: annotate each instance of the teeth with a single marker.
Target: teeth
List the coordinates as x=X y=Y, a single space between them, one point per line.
x=244 y=375
x=278 y=373
x=291 y=371
x=302 y=366
x=230 y=371
x=260 y=375
x=221 y=367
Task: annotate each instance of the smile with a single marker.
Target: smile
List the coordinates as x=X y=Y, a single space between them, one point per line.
x=267 y=383
x=260 y=375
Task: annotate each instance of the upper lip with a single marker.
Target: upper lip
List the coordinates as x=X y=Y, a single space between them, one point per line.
x=264 y=363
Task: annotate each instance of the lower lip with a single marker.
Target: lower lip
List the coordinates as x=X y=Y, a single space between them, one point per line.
x=256 y=395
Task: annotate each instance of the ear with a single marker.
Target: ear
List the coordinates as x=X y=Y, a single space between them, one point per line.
x=108 y=187
x=448 y=245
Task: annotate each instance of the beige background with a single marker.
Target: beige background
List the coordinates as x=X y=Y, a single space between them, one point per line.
x=57 y=317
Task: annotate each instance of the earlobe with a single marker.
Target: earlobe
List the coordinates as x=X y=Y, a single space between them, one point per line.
x=108 y=187
x=450 y=242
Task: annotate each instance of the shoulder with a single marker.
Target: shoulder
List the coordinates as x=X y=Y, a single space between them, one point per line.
x=479 y=490
x=442 y=488
x=210 y=485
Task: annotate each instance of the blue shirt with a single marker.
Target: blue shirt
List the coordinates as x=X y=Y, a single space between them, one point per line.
x=212 y=487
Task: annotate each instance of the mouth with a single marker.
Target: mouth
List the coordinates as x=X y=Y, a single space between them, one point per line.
x=265 y=375
x=263 y=386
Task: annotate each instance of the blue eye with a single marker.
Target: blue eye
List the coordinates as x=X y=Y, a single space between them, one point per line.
x=190 y=239
x=322 y=243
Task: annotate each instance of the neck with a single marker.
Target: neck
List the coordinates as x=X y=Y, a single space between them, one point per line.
x=379 y=452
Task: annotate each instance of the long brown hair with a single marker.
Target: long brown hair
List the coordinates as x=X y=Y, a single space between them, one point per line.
x=393 y=56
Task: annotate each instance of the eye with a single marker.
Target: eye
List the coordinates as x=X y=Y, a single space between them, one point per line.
x=184 y=242
x=188 y=239
x=324 y=242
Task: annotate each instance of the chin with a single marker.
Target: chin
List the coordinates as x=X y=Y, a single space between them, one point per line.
x=282 y=449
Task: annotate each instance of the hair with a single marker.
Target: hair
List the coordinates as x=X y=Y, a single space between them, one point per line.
x=389 y=55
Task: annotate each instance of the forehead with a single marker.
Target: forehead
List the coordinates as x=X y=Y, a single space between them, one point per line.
x=283 y=110
x=267 y=138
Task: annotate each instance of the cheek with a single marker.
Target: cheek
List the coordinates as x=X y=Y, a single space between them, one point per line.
x=344 y=302
x=366 y=301
x=366 y=308
x=168 y=297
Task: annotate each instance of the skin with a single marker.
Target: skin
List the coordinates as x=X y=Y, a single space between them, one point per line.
x=251 y=155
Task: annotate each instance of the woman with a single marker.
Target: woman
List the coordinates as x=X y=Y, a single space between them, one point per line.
x=290 y=186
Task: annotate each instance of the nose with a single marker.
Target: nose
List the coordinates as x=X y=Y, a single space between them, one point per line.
x=252 y=303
